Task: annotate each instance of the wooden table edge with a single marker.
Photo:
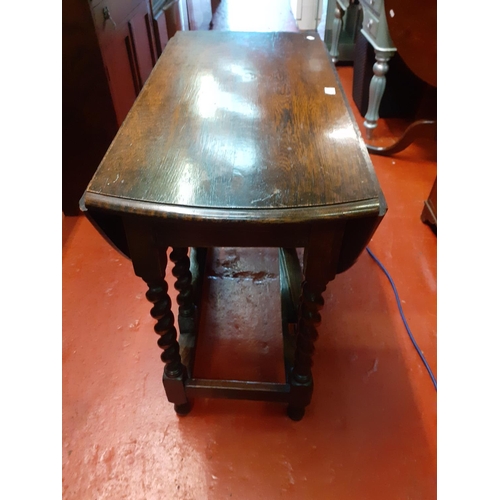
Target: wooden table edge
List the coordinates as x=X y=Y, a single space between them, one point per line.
x=290 y=215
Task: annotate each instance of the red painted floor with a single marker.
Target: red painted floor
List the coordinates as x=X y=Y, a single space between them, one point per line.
x=370 y=431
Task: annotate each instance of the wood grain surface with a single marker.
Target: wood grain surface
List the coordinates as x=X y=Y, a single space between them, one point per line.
x=413 y=29
x=232 y=120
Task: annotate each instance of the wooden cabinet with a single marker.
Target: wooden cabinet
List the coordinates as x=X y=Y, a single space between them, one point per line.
x=109 y=50
x=88 y=119
x=132 y=35
x=127 y=47
x=169 y=16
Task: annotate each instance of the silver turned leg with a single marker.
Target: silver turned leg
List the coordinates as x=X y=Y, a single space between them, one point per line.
x=377 y=87
x=336 y=29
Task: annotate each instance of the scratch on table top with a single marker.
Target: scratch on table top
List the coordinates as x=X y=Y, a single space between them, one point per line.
x=274 y=193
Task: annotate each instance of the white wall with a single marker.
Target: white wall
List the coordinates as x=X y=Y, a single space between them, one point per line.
x=307 y=13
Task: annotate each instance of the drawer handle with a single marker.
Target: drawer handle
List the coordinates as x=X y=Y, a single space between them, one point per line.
x=371 y=2
x=107 y=16
x=369 y=24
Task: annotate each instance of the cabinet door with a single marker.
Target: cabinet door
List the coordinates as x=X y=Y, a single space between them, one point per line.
x=127 y=53
x=173 y=17
x=161 y=32
x=120 y=71
x=141 y=41
x=169 y=16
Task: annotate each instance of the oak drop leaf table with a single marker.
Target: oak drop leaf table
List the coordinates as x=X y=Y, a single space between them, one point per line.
x=238 y=140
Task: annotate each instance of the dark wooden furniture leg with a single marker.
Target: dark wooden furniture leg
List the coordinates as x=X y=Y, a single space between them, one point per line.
x=320 y=264
x=198 y=258
x=190 y=272
x=183 y=284
x=150 y=262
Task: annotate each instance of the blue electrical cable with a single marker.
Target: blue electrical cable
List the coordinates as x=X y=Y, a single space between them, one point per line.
x=420 y=353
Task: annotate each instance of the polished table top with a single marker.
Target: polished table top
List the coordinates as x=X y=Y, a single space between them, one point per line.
x=239 y=125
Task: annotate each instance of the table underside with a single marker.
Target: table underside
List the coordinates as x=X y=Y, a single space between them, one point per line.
x=290 y=286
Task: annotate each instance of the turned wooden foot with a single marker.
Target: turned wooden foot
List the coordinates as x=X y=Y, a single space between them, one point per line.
x=182 y=410
x=175 y=372
x=301 y=378
x=310 y=303
x=295 y=413
x=161 y=311
x=150 y=262
x=320 y=265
